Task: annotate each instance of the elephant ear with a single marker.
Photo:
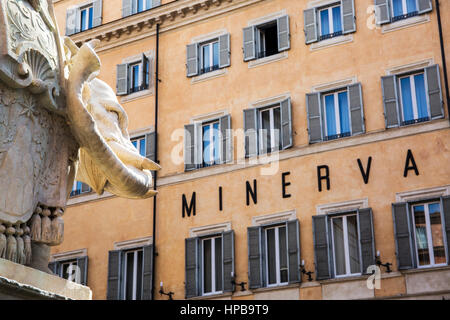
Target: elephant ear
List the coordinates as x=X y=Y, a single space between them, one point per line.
x=89 y=173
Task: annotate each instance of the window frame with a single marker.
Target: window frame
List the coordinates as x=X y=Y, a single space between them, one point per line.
x=278 y=269
x=271 y=109
x=124 y=261
x=260 y=54
x=135 y=6
x=212 y=67
x=405 y=14
x=213 y=264
x=70 y=262
x=76 y=192
x=139 y=141
x=330 y=8
x=212 y=150
x=89 y=9
x=335 y=93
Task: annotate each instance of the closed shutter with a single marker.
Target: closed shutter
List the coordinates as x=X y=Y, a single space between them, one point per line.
x=366 y=238
x=97 y=13
x=226 y=139
x=224 y=51
x=249 y=44
x=71 y=21
x=155 y=3
x=348 y=16
x=122 y=79
x=356 y=108
x=82 y=264
x=189 y=147
x=321 y=247
x=114 y=262
x=192 y=265
x=255 y=275
x=192 y=59
x=147 y=278
x=126 y=8
x=284 y=37
x=434 y=91
x=293 y=234
x=314 y=117
x=403 y=236
x=390 y=101
x=251 y=134
x=310 y=25
x=54 y=267
x=445 y=205
x=286 y=124
x=382 y=11
x=150 y=148
x=424 y=6
x=228 y=260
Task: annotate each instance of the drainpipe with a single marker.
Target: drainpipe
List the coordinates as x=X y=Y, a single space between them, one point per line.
x=157 y=161
x=444 y=63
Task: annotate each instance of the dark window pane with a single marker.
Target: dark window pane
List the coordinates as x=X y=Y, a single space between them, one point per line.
x=139 y=275
x=339 y=249
x=218 y=262
x=129 y=275
x=353 y=249
x=271 y=262
x=283 y=255
x=207 y=266
x=277 y=128
x=436 y=233
x=421 y=235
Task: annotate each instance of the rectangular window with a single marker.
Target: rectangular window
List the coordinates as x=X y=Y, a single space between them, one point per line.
x=209 y=55
x=68 y=270
x=337 y=115
x=212 y=265
x=73 y=269
x=267 y=40
x=86 y=18
x=140 y=145
x=429 y=237
x=132 y=274
x=79 y=188
x=270 y=129
x=402 y=9
x=140 y=5
x=276 y=255
x=345 y=240
x=330 y=22
x=413 y=98
x=211 y=143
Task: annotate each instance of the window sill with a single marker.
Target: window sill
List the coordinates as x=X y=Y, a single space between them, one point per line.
x=406 y=23
x=427 y=269
x=262 y=61
x=136 y=95
x=331 y=42
x=276 y=288
x=209 y=75
x=219 y=296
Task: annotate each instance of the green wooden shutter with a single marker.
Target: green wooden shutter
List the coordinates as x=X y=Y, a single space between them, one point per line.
x=390 y=101
x=150 y=145
x=366 y=238
x=255 y=274
x=321 y=247
x=226 y=139
x=97 y=13
x=192 y=266
x=382 y=12
x=224 y=51
x=189 y=147
x=114 y=270
x=82 y=264
x=147 y=272
x=122 y=79
x=348 y=16
x=424 y=6
x=293 y=240
x=404 y=241
x=284 y=37
x=228 y=260
x=433 y=79
x=445 y=205
x=126 y=8
x=356 y=108
x=310 y=25
x=192 y=59
x=71 y=21
x=251 y=133
x=249 y=43
x=314 y=117
x=286 y=123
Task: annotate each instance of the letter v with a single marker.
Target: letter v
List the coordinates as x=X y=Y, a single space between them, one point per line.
x=365 y=173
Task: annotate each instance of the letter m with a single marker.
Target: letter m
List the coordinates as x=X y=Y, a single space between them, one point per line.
x=189 y=209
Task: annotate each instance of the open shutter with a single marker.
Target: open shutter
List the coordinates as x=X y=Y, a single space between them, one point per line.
x=434 y=91
x=314 y=117
x=424 y=6
x=192 y=59
x=249 y=44
x=348 y=16
x=143 y=72
x=228 y=260
x=250 y=131
x=122 y=79
x=155 y=3
x=113 y=289
x=189 y=147
x=97 y=13
x=82 y=264
x=54 y=267
x=403 y=236
x=284 y=37
x=310 y=25
x=224 y=51
x=150 y=141
x=255 y=275
x=126 y=8
x=286 y=123
x=356 y=108
x=71 y=21
x=445 y=205
x=321 y=247
x=382 y=11
x=293 y=239
x=192 y=265
x=366 y=238
x=147 y=276
x=390 y=101
x=226 y=147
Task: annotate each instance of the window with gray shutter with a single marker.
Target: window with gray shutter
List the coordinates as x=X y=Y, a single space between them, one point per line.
x=113 y=283
x=147 y=279
x=356 y=108
x=191 y=268
x=293 y=239
x=255 y=274
x=382 y=11
x=122 y=79
x=192 y=59
x=310 y=25
x=228 y=260
x=348 y=16
x=226 y=139
x=126 y=8
x=156 y=3
x=445 y=205
x=224 y=51
x=284 y=41
x=390 y=101
x=54 y=267
x=321 y=247
x=286 y=123
x=150 y=140
x=71 y=21
x=249 y=43
x=433 y=79
x=366 y=238
x=97 y=13
x=251 y=133
x=189 y=147
x=313 y=104
x=403 y=236
x=424 y=6
x=82 y=264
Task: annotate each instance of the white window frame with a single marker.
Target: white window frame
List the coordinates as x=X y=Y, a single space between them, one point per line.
x=336 y=111
x=134 y=6
x=139 y=140
x=135 y=275
x=277 y=256
x=213 y=265
x=404 y=7
x=209 y=44
x=330 y=18
x=261 y=38
x=212 y=147
x=348 y=272
x=72 y=266
x=413 y=94
x=131 y=74
x=429 y=235
x=86 y=8
x=271 y=109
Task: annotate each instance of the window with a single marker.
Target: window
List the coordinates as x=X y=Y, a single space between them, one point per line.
x=85 y=17
x=139 y=144
x=209 y=57
x=133 y=77
x=132 y=272
x=335 y=114
x=277 y=257
x=330 y=22
x=267 y=40
x=413 y=99
x=270 y=132
x=72 y=269
x=387 y=11
x=130 y=7
x=211 y=143
x=402 y=9
x=212 y=265
x=422 y=233
x=79 y=188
